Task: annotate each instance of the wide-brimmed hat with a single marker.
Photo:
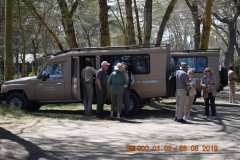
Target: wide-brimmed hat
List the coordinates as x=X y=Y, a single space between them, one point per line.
x=120 y=67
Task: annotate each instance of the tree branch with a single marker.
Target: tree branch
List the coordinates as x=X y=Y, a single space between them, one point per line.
x=41 y=21
x=73 y=9
x=221 y=19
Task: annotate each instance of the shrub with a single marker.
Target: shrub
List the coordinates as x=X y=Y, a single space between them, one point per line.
x=237 y=67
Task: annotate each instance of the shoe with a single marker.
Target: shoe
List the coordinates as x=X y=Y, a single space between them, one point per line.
x=181 y=121
x=185 y=118
x=206 y=117
x=214 y=117
x=175 y=119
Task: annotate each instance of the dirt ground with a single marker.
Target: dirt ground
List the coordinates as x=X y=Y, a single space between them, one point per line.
x=152 y=131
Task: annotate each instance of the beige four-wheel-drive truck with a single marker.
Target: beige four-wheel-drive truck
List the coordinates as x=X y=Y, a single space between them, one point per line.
x=59 y=80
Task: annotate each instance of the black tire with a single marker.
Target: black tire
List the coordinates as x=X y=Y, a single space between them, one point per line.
x=134 y=103
x=17 y=100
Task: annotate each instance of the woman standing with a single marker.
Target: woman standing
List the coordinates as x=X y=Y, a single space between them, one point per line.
x=191 y=92
x=116 y=83
x=209 y=84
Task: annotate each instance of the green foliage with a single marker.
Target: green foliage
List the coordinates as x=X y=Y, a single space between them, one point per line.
x=237 y=66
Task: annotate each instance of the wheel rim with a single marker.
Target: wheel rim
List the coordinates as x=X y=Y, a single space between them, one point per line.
x=131 y=105
x=16 y=103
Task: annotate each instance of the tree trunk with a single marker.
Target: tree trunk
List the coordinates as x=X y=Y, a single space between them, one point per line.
x=104 y=28
x=68 y=23
x=147 y=22
x=229 y=57
x=232 y=27
x=8 y=58
x=207 y=21
x=166 y=17
x=130 y=25
x=197 y=22
x=23 y=42
x=138 y=23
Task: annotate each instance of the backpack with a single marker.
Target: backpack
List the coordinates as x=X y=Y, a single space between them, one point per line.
x=172 y=84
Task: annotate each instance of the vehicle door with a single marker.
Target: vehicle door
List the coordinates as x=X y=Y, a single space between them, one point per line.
x=51 y=83
x=75 y=79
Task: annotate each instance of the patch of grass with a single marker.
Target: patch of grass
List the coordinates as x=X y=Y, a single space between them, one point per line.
x=74 y=111
x=10 y=112
x=73 y=106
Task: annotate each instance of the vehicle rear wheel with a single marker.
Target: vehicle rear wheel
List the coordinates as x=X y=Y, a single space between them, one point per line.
x=17 y=100
x=134 y=103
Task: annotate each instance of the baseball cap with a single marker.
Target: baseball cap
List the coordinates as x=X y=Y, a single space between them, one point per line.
x=105 y=63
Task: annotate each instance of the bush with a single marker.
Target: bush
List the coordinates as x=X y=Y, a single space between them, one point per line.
x=237 y=67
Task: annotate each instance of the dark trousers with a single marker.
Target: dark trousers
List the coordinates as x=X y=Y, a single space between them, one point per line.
x=210 y=99
x=101 y=94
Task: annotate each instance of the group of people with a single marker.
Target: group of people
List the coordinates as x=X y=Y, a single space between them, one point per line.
x=119 y=81
x=186 y=91
x=118 y=85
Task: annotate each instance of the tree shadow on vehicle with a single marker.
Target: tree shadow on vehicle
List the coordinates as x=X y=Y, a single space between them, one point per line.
x=33 y=151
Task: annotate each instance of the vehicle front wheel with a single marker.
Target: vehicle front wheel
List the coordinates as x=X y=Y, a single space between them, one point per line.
x=17 y=100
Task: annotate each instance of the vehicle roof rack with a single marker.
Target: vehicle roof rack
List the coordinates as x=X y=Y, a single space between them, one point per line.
x=108 y=48
x=199 y=50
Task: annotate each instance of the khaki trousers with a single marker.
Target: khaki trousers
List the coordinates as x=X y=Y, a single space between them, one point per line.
x=232 y=93
x=180 y=102
x=188 y=105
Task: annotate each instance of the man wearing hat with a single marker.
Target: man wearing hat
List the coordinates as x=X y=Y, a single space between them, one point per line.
x=101 y=89
x=181 y=83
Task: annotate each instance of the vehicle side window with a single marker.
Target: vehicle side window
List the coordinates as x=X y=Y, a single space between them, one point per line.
x=53 y=71
x=139 y=64
x=195 y=63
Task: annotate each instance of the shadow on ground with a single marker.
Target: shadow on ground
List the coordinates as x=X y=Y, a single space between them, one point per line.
x=34 y=152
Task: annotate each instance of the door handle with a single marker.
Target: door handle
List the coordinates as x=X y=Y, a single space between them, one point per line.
x=59 y=83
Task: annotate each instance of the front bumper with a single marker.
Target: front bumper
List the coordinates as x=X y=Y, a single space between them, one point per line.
x=3 y=96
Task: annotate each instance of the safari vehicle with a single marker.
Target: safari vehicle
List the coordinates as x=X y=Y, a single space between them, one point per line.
x=59 y=81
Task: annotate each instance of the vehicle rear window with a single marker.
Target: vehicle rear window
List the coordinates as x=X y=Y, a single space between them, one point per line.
x=138 y=63
x=195 y=63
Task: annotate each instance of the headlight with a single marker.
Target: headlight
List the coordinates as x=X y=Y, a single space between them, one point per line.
x=2 y=88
